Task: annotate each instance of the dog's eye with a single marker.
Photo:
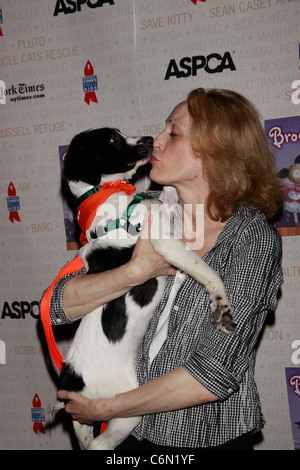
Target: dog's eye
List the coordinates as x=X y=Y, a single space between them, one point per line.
x=114 y=139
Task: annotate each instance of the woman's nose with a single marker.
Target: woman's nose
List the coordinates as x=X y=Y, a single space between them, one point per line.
x=158 y=141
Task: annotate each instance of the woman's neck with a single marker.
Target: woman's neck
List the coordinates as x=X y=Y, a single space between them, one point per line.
x=199 y=231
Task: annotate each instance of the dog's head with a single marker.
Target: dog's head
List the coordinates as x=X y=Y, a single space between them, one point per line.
x=100 y=152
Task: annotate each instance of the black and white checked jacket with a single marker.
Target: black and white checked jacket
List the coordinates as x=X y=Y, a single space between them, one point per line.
x=247 y=256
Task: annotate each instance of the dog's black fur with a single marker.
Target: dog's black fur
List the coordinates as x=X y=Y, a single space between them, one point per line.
x=99 y=152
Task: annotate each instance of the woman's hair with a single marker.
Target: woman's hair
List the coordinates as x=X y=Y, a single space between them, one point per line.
x=237 y=158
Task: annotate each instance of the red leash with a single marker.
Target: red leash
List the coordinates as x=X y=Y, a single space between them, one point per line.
x=71 y=267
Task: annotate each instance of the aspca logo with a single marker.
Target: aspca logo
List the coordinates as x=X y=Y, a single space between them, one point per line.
x=71 y=6
x=20 y=309
x=213 y=63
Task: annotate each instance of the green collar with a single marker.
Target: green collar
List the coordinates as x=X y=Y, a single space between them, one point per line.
x=89 y=193
x=123 y=221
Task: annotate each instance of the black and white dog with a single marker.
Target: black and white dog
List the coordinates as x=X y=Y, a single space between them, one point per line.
x=101 y=359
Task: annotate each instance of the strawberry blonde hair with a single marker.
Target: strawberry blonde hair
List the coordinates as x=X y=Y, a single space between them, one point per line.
x=238 y=161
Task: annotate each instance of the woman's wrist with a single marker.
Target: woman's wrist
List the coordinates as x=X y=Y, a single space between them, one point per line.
x=104 y=409
x=134 y=273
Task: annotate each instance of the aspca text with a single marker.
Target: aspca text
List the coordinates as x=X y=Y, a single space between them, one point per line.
x=20 y=309
x=72 y=6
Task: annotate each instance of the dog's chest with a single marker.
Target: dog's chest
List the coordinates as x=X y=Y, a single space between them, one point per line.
x=118 y=219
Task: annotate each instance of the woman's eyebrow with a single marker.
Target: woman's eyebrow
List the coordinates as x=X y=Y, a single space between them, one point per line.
x=176 y=123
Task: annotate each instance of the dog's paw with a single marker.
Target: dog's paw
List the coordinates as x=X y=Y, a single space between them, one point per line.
x=222 y=316
x=223 y=320
x=55 y=407
x=99 y=444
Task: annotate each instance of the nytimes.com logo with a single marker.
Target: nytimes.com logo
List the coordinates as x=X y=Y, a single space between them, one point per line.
x=73 y=6
x=21 y=92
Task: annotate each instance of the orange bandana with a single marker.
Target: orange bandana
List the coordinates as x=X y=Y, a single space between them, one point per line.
x=88 y=207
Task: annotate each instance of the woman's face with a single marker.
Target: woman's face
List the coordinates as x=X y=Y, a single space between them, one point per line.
x=173 y=161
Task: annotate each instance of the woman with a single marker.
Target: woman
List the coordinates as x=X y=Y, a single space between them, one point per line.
x=197 y=387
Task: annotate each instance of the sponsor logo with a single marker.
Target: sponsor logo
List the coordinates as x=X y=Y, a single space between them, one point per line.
x=23 y=91
x=13 y=203
x=20 y=309
x=279 y=137
x=90 y=84
x=187 y=66
x=72 y=6
x=37 y=415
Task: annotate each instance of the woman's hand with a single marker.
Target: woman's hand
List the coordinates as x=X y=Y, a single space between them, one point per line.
x=146 y=263
x=84 y=410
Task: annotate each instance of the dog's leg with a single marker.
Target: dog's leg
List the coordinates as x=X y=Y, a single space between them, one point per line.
x=178 y=254
x=84 y=434
x=116 y=432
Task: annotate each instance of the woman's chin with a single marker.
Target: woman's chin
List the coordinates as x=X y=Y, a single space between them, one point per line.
x=155 y=176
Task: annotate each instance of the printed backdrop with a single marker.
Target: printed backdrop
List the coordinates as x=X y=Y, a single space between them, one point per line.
x=68 y=65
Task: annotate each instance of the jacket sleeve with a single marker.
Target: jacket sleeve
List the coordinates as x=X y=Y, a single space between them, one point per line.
x=252 y=277
x=57 y=312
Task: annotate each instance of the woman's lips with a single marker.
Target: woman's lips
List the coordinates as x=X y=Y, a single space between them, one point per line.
x=153 y=159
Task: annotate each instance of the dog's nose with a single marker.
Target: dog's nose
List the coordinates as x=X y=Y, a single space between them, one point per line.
x=148 y=140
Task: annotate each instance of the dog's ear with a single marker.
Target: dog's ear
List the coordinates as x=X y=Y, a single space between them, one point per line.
x=81 y=162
